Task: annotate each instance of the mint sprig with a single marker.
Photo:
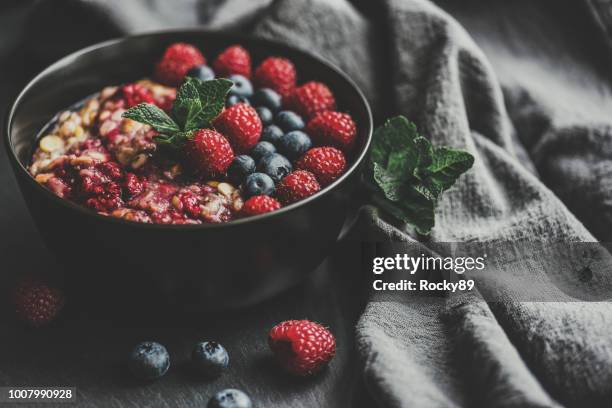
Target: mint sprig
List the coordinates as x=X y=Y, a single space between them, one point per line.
x=197 y=103
x=409 y=174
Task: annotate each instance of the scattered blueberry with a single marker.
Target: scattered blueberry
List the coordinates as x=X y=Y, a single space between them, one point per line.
x=242 y=86
x=268 y=98
x=265 y=115
x=271 y=134
x=241 y=167
x=210 y=358
x=203 y=72
x=294 y=144
x=275 y=165
x=261 y=149
x=288 y=121
x=149 y=360
x=234 y=99
x=230 y=398
x=258 y=184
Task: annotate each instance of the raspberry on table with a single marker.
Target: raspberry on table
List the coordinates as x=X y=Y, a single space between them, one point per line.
x=297 y=186
x=311 y=98
x=326 y=163
x=36 y=302
x=331 y=128
x=302 y=347
x=277 y=74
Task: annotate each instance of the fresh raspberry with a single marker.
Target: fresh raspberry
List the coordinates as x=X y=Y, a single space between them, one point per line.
x=326 y=163
x=297 y=186
x=208 y=153
x=241 y=125
x=302 y=347
x=176 y=61
x=260 y=204
x=312 y=98
x=333 y=128
x=233 y=60
x=133 y=94
x=36 y=302
x=276 y=73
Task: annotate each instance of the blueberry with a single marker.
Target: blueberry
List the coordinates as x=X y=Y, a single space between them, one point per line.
x=271 y=134
x=261 y=149
x=230 y=398
x=265 y=115
x=258 y=184
x=234 y=99
x=242 y=86
x=210 y=358
x=268 y=98
x=149 y=360
x=241 y=167
x=294 y=144
x=289 y=121
x=274 y=165
x=203 y=72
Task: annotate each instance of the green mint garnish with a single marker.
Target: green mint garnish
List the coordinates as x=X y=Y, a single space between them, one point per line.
x=197 y=104
x=410 y=174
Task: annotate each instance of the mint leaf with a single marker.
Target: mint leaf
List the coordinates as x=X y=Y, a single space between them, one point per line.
x=212 y=98
x=197 y=103
x=187 y=106
x=447 y=165
x=410 y=174
x=153 y=116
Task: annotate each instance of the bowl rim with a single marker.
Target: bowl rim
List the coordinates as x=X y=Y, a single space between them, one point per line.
x=233 y=37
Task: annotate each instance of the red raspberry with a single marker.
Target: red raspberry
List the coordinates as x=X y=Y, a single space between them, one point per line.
x=259 y=205
x=333 y=129
x=326 y=163
x=176 y=61
x=297 y=186
x=133 y=94
x=241 y=125
x=276 y=73
x=208 y=153
x=302 y=347
x=311 y=98
x=233 y=60
x=36 y=302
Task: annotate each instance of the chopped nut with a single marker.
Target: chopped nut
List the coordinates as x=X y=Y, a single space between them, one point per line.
x=225 y=189
x=176 y=170
x=106 y=127
x=67 y=128
x=176 y=202
x=97 y=156
x=51 y=143
x=116 y=116
x=81 y=160
x=78 y=131
x=44 y=177
x=237 y=204
x=64 y=116
x=139 y=161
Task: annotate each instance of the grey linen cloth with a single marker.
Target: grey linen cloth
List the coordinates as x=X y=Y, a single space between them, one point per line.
x=526 y=88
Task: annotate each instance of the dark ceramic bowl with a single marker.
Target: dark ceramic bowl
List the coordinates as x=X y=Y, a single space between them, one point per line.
x=223 y=265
